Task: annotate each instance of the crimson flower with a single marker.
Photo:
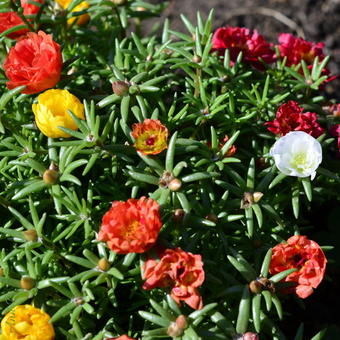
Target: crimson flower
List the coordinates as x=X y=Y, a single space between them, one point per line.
x=335 y=131
x=122 y=337
x=180 y=270
x=290 y=117
x=297 y=49
x=239 y=39
x=131 y=226
x=305 y=255
x=34 y=61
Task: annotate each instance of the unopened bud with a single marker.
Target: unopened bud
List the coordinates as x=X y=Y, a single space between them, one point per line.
x=78 y=301
x=50 y=177
x=212 y=217
x=27 y=283
x=140 y=9
x=119 y=2
x=177 y=328
x=257 y=196
x=120 y=88
x=255 y=287
x=250 y=336
x=178 y=215
x=1 y=272
x=175 y=184
x=103 y=264
x=196 y=59
x=30 y=235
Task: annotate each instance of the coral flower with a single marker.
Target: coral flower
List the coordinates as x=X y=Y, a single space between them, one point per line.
x=297 y=49
x=81 y=19
x=238 y=39
x=181 y=271
x=305 y=255
x=51 y=111
x=131 y=226
x=9 y=20
x=29 y=8
x=34 y=61
x=26 y=322
x=150 y=136
x=290 y=117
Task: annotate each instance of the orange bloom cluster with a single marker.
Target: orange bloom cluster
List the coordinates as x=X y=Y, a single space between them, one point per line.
x=131 y=226
x=181 y=271
x=150 y=136
x=305 y=255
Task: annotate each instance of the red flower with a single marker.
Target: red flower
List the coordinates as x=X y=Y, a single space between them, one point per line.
x=297 y=49
x=30 y=9
x=305 y=255
x=181 y=271
x=150 y=136
x=335 y=131
x=289 y=117
x=9 y=20
x=239 y=39
x=34 y=61
x=132 y=226
x=232 y=150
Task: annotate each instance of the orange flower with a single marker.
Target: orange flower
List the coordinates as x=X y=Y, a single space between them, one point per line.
x=132 y=226
x=232 y=150
x=150 y=136
x=181 y=271
x=305 y=255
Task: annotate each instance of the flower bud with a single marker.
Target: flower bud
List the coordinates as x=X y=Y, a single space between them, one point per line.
x=30 y=235
x=50 y=176
x=212 y=217
x=177 y=328
x=178 y=215
x=257 y=196
x=120 y=88
x=196 y=59
x=250 y=336
x=175 y=184
x=119 y=2
x=103 y=264
x=27 y=283
x=1 y=272
x=255 y=287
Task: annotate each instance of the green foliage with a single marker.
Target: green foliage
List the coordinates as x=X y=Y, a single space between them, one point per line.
x=200 y=97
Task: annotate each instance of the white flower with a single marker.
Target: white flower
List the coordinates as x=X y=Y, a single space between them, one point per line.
x=297 y=154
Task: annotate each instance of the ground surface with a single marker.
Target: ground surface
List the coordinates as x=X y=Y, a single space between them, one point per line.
x=317 y=20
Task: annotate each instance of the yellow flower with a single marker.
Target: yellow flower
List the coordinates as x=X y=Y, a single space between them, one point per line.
x=150 y=136
x=81 y=19
x=26 y=322
x=51 y=112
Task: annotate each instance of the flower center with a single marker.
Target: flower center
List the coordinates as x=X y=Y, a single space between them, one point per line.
x=150 y=140
x=299 y=161
x=130 y=228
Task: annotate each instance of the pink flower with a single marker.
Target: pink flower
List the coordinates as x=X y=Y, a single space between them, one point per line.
x=289 y=117
x=238 y=39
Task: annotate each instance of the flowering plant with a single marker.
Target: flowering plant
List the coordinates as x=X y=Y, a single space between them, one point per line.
x=148 y=181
